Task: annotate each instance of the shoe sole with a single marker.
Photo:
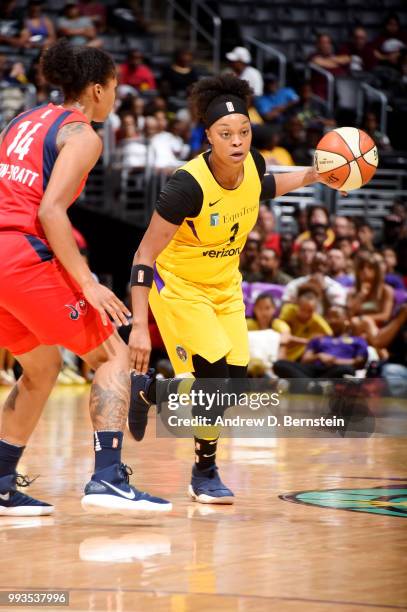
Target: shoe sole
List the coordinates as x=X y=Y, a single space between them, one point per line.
x=110 y=504
x=202 y=498
x=27 y=511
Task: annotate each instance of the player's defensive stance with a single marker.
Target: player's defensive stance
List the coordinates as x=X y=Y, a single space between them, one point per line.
x=48 y=295
x=189 y=257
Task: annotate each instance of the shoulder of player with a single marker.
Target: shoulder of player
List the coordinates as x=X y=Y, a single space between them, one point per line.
x=259 y=161
x=183 y=182
x=78 y=131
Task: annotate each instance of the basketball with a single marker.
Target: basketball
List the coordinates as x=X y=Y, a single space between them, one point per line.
x=347 y=157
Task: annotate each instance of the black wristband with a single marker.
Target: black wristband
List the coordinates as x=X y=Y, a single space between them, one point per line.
x=142 y=276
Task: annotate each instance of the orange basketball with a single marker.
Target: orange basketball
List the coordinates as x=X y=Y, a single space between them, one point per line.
x=347 y=158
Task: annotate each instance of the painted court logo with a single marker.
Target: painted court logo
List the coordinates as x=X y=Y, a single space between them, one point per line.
x=390 y=501
x=79 y=309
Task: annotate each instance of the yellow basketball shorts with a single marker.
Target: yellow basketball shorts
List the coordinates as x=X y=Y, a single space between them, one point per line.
x=199 y=319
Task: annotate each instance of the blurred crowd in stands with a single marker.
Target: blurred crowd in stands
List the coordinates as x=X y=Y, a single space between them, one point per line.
x=328 y=298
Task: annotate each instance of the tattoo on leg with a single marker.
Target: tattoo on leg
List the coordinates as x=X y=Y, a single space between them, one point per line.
x=10 y=403
x=109 y=404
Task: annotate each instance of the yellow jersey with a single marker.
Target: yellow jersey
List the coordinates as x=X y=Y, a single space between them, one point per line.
x=207 y=245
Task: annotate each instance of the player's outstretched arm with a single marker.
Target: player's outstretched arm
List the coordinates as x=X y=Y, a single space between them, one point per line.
x=78 y=154
x=159 y=233
x=289 y=181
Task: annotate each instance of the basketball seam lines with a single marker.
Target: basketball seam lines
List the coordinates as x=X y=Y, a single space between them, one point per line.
x=363 y=155
x=347 y=146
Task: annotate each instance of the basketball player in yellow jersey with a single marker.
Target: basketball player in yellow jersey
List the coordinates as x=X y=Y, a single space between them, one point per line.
x=189 y=258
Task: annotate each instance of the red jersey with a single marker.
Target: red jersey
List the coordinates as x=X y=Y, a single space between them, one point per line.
x=27 y=156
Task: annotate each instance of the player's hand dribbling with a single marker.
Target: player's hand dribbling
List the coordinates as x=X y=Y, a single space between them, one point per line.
x=140 y=349
x=106 y=302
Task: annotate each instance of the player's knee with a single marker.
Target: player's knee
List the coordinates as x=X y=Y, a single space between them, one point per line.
x=43 y=373
x=117 y=354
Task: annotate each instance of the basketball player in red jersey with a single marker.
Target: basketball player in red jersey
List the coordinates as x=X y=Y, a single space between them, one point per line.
x=48 y=296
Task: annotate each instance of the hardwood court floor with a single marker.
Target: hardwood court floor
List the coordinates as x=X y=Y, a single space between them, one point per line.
x=263 y=554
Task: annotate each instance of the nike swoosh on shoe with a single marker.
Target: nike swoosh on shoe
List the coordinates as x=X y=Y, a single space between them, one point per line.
x=129 y=495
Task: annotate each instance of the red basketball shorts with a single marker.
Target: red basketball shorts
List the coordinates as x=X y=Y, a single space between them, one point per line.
x=40 y=303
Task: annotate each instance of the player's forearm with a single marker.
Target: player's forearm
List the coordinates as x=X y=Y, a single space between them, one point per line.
x=58 y=231
x=139 y=303
x=289 y=181
x=139 y=294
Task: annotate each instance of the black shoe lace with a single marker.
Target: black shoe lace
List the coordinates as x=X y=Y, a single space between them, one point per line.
x=126 y=472
x=24 y=481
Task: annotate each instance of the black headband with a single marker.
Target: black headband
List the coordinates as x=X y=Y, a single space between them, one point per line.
x=222 y=106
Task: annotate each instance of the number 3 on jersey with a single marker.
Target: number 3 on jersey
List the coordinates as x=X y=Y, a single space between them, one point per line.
x=234 y=229
x=22 y=142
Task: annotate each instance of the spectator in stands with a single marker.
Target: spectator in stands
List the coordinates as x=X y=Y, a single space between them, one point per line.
x=78 y=29
x=177 y=78
x=11 y=73
x=319 y=234
x=131 y=150
x=44 y=91
x=346 y=246
x=360 y=51
x=276 y=101
x=303 y=320
x=150 y=127
x=399 y=208
x=340 y=227
x=270 y=271
x=392 y=31
x=266 y=221
x=266 y=344
x=162 y=120
x=267 y=140
x=371 y=126
x=331 y=292
x=365 y=235
x=398 y=90
x=12 y=31
x=295 y=141
x=393 y=338
x=301 y=218
x=329 y=356
x=12 y=76
x=96 y=11
x=391 y=277
x=310 y=111
x=337 y=268
x=371 y=298
x=326 y=58
x=286 y=250
x=316 y=216
x=301 y=261
x=168 y=149
x=136 y=73
x=39 y=27
x=133 y=104
x=240 y=60
x=264 y=311
x=394 y=229
x=250 y=258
